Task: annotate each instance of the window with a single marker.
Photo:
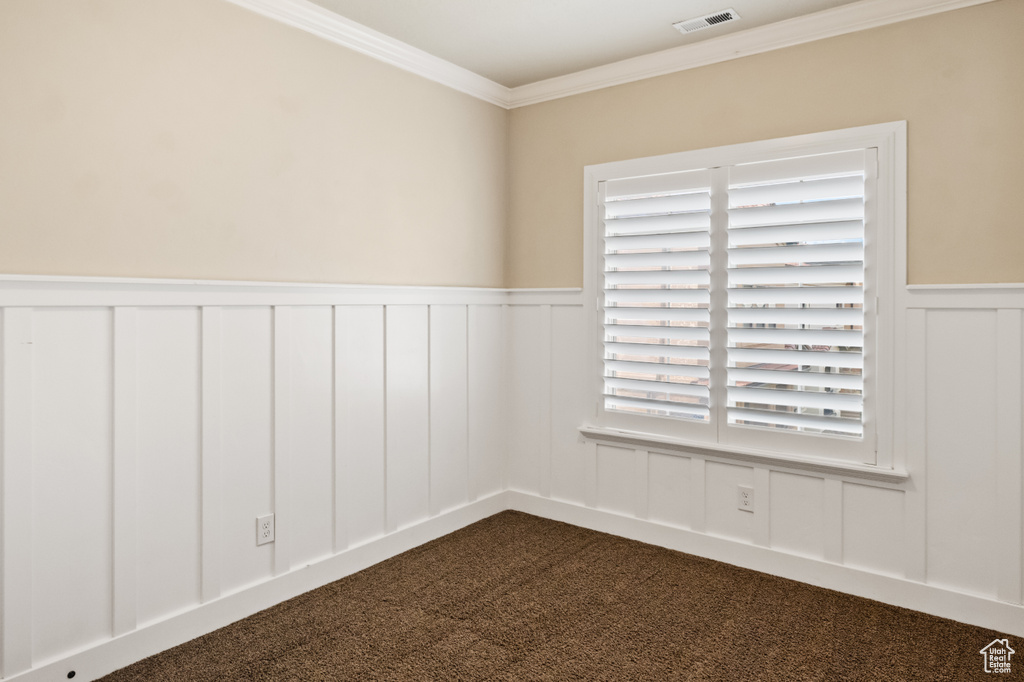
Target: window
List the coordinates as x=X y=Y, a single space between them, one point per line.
x=742 y=294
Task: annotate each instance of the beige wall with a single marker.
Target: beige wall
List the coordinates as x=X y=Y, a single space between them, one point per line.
x=957 y=78
x=196 y=139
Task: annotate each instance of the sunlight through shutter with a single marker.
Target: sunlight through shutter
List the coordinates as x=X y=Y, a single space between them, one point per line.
x=655 y=294
x=796 y=294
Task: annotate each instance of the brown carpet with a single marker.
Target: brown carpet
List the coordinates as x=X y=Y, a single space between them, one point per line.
x=516 y=597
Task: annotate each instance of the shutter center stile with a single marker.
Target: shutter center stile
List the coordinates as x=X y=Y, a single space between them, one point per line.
x=719 y=295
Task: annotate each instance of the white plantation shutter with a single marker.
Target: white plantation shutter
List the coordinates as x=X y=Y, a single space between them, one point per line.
x=796 y=294
x=769 y=280
x=743 y=297
x=655 y=295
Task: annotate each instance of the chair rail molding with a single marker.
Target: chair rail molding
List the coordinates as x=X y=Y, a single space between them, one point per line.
x=64 y=291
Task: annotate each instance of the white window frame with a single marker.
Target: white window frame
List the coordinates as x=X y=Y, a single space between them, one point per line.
x=884 y=244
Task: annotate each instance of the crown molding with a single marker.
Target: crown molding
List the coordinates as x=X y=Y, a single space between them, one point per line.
x=313 y=18
x=857 y=16
x=837 y=21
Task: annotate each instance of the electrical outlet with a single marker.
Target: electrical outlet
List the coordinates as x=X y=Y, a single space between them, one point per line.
x=745 y=500
x=264 y=529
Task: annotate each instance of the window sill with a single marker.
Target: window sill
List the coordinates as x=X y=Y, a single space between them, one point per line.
x=652 y=441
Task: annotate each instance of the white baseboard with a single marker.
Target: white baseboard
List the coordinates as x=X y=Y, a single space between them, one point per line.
x=974 y=610
x=97 y=661
x=94 y=662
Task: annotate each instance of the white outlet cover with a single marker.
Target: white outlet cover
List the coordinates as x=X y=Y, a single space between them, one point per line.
x=745 y=498
x=264 y=529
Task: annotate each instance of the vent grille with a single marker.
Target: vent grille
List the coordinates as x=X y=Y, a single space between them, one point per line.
x=706 y=21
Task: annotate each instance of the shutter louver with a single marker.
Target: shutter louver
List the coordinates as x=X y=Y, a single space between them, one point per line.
x=656 y=295
x=796 y=294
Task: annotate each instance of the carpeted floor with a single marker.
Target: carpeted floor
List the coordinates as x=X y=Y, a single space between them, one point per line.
x=516 y=597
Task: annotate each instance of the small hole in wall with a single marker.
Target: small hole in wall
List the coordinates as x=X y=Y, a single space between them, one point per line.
x=71 y=674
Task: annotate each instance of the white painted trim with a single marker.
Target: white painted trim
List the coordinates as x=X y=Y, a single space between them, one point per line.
x=40 y=291
x=321 y=22
x=718 y=307
x=506 y=398
x=915 y=499
x=858 y=16
x=641 y=483
x=590 y=474
x=892 y=158
x=432 y=508
x=561 y=297
x=282 y=406
x=1009 y=407
x=16 y=478
x=762 y=507
x=981 y=286
x=887 y=136
x=57 y=290
x=43 y=291
x=850 y=18
x=698 y=494
x=339 y=451
x=964 y=296
x=768 y=459
x=832 y=502
x=78 y=281
x=887 y=241
x=940 y=602
x=543 y=360
x=467 y=364
x=125 y=490
x=95 y=661
x=211 y=479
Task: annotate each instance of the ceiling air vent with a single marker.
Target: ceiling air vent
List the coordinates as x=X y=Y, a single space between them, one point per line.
x=706 y=21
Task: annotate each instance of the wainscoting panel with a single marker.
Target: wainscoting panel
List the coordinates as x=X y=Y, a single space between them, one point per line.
x=722 y=515
x=247 y=432
x=529 y=344
x=72 y=479
x=169 y=484
x=668 y=480
x=956 y=524
x=16 y=441
x=569 y=399
x=408 y=415
x=873 y=529
x=359 y=424
x=449 y=454
x=615 y=480
x=308 y=417
x=147 y=424
x=141 y=440
x=487 y=409
x=961 y=414
x=797 y=514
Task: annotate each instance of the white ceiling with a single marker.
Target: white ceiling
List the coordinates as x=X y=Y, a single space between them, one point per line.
x=515 y=42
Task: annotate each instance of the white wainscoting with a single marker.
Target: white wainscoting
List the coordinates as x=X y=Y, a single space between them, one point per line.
x=145 y=425
x=947 y=541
